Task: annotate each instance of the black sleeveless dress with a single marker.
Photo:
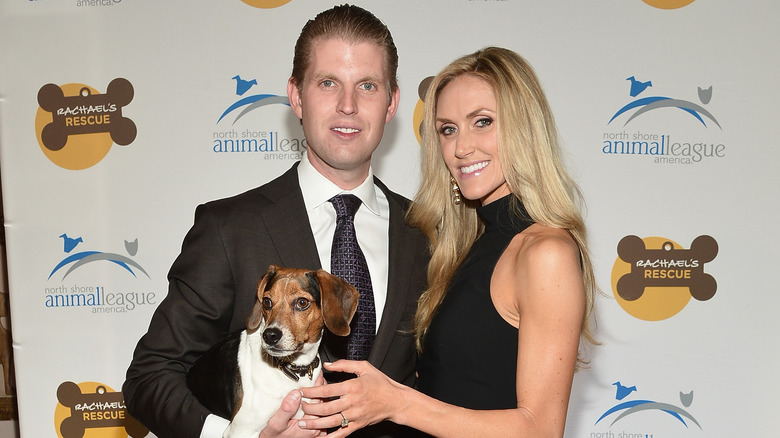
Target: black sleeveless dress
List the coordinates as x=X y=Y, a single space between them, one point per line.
x=469 y=354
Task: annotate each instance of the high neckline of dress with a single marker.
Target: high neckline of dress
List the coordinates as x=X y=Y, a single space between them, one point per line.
x=490 y=213
x=499 y=215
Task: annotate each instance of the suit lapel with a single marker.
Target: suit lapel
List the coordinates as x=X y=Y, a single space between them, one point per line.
x=287 y=222
x=398 y=288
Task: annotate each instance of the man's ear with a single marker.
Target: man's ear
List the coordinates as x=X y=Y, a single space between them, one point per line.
x=294 y=95
x=392 y=107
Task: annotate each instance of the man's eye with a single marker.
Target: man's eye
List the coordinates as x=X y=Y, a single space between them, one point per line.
x=327 y=83
x=368 y=86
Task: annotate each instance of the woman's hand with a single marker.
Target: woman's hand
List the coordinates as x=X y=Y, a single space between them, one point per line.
x=369 y=398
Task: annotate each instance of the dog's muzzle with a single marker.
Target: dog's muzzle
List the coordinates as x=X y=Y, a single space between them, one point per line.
x=271 y=336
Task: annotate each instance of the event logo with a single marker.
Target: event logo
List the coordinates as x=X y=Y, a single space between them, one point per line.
x=643 y=408
x=95 y=410
x=644 y=113
x=266 y=4
x=251 y=102
x=654 y=278
x=646 y=104
x=100 y=298
x=97 y=2
x=76 y=125
x=268 y=142
x=668 y=4
x=82 y=258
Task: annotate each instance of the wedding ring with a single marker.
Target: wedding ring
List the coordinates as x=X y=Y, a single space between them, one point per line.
x=344 y=421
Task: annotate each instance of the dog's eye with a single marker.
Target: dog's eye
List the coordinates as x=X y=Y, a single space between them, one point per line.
x=267 y=303
x=302 y=304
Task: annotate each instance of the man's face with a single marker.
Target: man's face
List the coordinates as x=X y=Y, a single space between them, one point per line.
x=344 y=103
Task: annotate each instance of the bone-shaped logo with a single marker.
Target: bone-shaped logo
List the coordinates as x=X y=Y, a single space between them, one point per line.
x=667 y=267
x=100 y=409
x=87 y=113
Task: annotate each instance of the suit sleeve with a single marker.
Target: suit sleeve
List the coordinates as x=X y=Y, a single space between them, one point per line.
x=195 y=313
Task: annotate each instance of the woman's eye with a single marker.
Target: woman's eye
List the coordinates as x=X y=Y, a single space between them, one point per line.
x=485 y=121
x=446 y=130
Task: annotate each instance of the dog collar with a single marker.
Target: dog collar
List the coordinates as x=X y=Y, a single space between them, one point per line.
x=295 y=372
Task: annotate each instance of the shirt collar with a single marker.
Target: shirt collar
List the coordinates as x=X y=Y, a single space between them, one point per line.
x=317 y=189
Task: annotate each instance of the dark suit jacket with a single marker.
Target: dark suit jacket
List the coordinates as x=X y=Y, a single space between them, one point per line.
x=212 y=287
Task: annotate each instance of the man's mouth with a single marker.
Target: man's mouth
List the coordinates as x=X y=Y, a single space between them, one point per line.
x=346 y=130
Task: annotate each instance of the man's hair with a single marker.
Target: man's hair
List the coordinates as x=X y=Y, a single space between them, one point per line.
x=349 y=23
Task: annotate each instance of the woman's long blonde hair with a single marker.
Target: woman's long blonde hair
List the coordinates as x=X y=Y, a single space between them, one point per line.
x=530 y=159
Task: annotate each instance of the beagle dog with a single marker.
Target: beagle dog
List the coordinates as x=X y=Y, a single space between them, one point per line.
x=245 y=376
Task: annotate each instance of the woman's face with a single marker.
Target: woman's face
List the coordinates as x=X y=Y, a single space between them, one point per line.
x=466 y=123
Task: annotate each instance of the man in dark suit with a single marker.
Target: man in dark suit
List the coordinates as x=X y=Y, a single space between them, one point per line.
x=344 y=90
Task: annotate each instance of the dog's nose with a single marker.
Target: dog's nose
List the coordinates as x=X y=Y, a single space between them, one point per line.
x=272 y=335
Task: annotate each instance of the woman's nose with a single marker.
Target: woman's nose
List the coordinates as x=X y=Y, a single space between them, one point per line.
x=464 y=145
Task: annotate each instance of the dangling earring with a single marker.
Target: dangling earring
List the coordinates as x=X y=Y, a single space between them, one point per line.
x=455 y=191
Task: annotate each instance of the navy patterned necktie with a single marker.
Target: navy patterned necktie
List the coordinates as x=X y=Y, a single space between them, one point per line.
x=348 y=262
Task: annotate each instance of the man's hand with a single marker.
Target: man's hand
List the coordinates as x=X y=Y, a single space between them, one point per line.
x=282 y=425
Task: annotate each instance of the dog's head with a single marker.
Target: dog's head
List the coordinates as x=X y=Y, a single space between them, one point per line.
x=293 y=305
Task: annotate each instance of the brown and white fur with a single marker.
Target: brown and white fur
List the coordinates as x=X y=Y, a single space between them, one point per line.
x=247 y=374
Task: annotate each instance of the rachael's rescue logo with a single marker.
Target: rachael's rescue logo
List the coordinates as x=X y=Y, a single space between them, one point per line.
x=654 y=278
x=93 y=410
x=76 y=125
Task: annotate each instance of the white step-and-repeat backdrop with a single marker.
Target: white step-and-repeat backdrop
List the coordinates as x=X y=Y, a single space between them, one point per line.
x=118 y=117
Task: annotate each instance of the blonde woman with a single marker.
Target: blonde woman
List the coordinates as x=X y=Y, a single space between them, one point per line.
x=510 y=283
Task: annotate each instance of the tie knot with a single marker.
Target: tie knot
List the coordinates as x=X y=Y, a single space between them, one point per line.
x=346 y=205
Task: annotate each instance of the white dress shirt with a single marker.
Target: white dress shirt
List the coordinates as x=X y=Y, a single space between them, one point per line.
x=372 y=225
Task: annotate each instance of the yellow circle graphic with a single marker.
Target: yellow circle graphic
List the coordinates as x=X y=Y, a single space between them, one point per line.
x=419 y=108
x=266 y=4
x=81 y=151
x=668 y=4
x=656 y=303
x=417 y=118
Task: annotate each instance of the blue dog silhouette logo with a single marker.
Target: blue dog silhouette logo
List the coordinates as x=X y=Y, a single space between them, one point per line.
x=250 y=102
x=630 y=407
x=643 y=105
x=82 y=258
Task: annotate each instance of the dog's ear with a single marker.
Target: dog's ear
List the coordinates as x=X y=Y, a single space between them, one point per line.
x=338 y=300
x=256 y=317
